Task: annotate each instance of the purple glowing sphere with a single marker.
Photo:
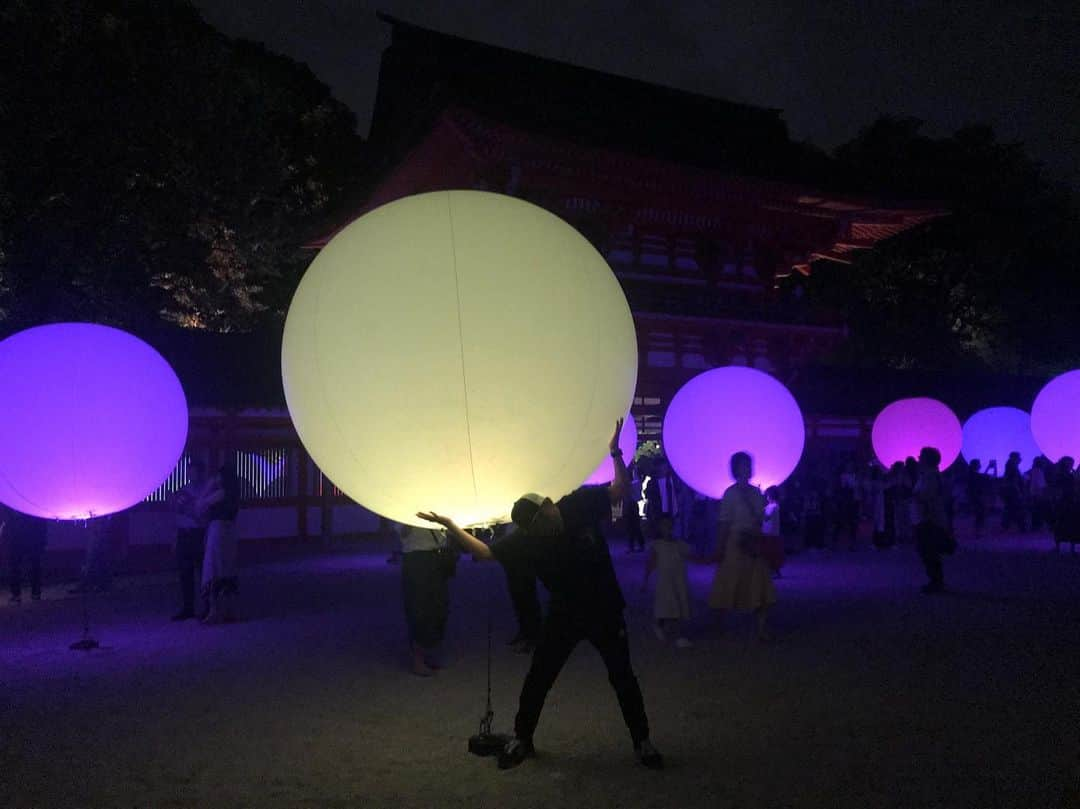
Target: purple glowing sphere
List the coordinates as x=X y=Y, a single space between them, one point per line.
x=1055 y=417
x=728 y=410
x=993 y=433
x=92 y=420
x=903 y=428
x=605 y=472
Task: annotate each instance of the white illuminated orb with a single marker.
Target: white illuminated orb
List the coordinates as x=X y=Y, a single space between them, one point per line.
x=450 y=351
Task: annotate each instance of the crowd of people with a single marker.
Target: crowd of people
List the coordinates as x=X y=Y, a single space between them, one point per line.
x=829 y=503
x=840 y=503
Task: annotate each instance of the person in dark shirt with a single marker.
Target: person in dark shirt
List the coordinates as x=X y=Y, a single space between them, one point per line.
x=563 y=545
x=1012 y=496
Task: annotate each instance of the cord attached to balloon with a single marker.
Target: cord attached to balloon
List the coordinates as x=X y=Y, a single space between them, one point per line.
x=486 y=742
x=86 y=643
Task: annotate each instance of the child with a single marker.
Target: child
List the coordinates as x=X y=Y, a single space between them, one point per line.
x=671 y=601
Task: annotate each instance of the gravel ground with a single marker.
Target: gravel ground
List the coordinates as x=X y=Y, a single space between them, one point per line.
x=871 y=696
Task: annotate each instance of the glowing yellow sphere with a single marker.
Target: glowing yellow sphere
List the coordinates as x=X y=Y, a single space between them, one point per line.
x=453 y=350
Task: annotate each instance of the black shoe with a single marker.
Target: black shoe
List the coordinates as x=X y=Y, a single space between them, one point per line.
x=36 y=596
x=15 y=600
x=932 y=588
x=183 y=615
x=649 y=755
x=515 y=752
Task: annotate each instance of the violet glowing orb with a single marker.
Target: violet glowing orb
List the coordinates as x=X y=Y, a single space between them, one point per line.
x=1055 y=417
x=605 y=472
x=993 y=433
x=92 y=420
x=728 y=410
x=903 y=428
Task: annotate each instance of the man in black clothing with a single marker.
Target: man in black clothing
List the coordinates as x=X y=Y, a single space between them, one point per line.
x=562 y=544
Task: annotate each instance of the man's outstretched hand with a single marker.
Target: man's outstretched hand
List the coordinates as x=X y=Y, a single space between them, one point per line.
x=613 y=444
x=431 y=516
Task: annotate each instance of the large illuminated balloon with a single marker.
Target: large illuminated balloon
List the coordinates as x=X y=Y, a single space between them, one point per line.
x=993 y=433
x=92 y=420
x=904 y=427
x=1055 y=417
x=727 y=410
x=452 y=350
x=605 y=472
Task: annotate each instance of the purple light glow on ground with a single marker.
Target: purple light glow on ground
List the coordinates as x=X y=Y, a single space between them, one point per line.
x=92 y=420
x=993 y=433
x=1055 y=417
x=627 y=443
x=308 y=701
x=728 y=410
x=904 y=427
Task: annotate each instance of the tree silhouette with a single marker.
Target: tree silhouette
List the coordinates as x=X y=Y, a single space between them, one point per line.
x=152 y=168
x=993 y=286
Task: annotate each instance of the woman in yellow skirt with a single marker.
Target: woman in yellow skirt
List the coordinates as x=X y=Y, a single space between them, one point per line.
x=743 y=580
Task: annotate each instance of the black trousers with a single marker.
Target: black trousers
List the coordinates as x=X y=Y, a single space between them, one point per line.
x=1040 y=513
x=190 y=543
x=30 y=557
x=562 y=632
x=426 y=596
x=978 y=512
x=930 y=542
x=526 y=603
x=1012 y=513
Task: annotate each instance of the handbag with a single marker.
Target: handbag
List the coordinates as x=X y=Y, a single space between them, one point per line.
x=758 y=545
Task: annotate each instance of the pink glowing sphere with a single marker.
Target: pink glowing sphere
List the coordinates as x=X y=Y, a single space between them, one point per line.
x=92 y=420
x=605 y=472
x=1055 y=417
x=728 y=410
x=903 y=428
x=993 y=433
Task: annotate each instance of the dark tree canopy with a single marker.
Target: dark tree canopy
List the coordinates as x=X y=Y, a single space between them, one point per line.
x=152 y=168
x=993 y=286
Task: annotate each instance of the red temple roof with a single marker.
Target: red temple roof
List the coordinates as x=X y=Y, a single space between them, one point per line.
x=466 y=150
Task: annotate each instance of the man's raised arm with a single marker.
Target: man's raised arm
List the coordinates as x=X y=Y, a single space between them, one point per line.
x=620 y=484
x=470 y=544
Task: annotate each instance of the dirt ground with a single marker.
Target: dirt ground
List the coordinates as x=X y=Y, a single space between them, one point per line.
x=872 y=695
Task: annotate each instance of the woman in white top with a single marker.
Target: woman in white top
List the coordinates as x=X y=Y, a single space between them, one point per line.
x=743 y=580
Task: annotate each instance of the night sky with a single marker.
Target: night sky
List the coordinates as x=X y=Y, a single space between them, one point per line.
x=831 y=66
